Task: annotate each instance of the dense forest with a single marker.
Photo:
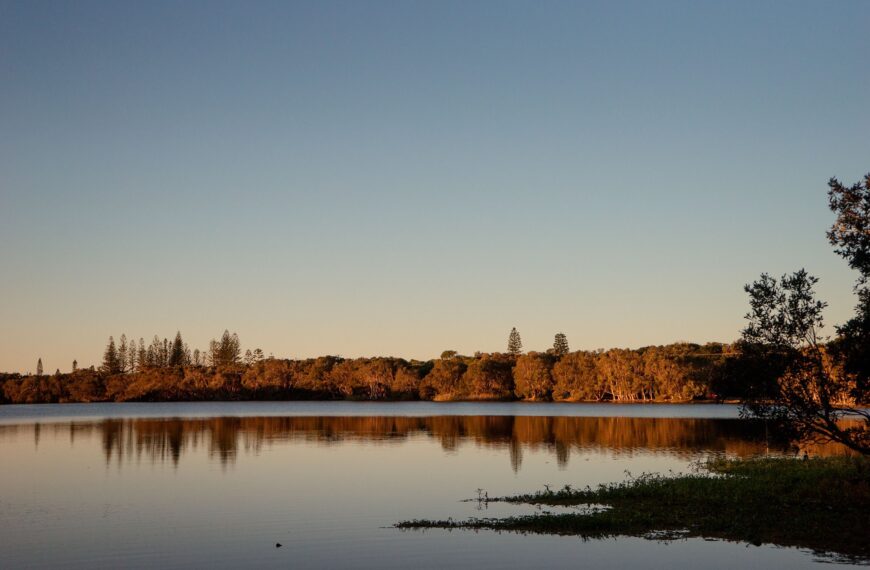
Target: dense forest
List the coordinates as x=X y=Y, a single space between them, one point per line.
x=168 y=370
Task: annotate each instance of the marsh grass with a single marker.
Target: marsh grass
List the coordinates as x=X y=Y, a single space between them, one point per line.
x=818 y=504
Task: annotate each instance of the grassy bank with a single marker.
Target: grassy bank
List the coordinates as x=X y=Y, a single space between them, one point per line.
x=818 y=504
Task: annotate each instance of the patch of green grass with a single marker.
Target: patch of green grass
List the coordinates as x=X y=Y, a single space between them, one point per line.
x=817 y=504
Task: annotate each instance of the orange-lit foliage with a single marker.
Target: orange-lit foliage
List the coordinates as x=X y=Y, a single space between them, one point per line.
x=677 y=372
x=224 y=437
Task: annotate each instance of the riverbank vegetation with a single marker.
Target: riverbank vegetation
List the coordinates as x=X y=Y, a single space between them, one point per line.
x=820 y=504
x=162 y=372
x=168 y=371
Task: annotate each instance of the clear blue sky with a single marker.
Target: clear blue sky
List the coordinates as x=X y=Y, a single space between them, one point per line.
x=400 y=178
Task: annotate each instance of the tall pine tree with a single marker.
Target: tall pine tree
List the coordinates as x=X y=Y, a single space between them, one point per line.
x=141 y=355
x=111 y=362
x=225 y=351
x=39 y=367
x=122 y=353
x=176 y=353
x=560 y=344
x=515 y=344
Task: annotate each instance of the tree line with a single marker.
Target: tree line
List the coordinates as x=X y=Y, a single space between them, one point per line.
x=132 y=357
x=167 y=370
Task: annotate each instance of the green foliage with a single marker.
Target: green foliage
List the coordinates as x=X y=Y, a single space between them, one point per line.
x=820 y=504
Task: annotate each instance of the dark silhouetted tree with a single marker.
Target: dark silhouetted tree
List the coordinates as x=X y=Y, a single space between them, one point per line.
x=39 y=367
x=122 y=353
x=75 y=365
x=515 y=344
x=850 y=236
x=226 y=351
x=176 y=352
x=132 y=356
x=809 y=398
x=111 y=362
x=560 y=344
x=141 y=355
x=819 y=384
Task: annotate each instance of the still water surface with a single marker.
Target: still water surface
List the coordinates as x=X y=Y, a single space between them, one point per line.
x=217 y=485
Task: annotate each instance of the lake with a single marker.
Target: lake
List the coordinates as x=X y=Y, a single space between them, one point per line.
x=217 y=485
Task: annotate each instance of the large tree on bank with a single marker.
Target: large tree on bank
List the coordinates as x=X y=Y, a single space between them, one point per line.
x=819 y=384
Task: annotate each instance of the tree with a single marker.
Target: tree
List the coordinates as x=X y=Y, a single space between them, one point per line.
x=122 y=353
x=850 y=236
x=444 y=379
x=533 y=378
x=577 y=377
x=226 y=351
x=515 y=344
x=488 y=377
x=152 y=357
x=132 y=356
x=560 y=344
x=75 y=365
x=448 y=354
x=176 y=353
x=819 y=384
x=111 y=362
x=810 y=397
x=141 y=355
x=39 y=367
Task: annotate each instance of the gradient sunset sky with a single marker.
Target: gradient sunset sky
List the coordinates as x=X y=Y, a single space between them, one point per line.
x=400 y=178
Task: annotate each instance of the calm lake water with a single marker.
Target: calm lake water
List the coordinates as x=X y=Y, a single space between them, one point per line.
x=217 y=485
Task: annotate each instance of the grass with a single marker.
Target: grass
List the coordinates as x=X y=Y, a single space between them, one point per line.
x=818 y=504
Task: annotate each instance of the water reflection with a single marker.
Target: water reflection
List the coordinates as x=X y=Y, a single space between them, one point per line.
x=223 y=438
x=138 y=492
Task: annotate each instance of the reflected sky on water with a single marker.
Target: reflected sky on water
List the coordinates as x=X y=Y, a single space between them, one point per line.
x=103 y=490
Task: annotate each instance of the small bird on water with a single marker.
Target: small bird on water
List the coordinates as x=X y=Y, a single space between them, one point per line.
x=278 y=545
